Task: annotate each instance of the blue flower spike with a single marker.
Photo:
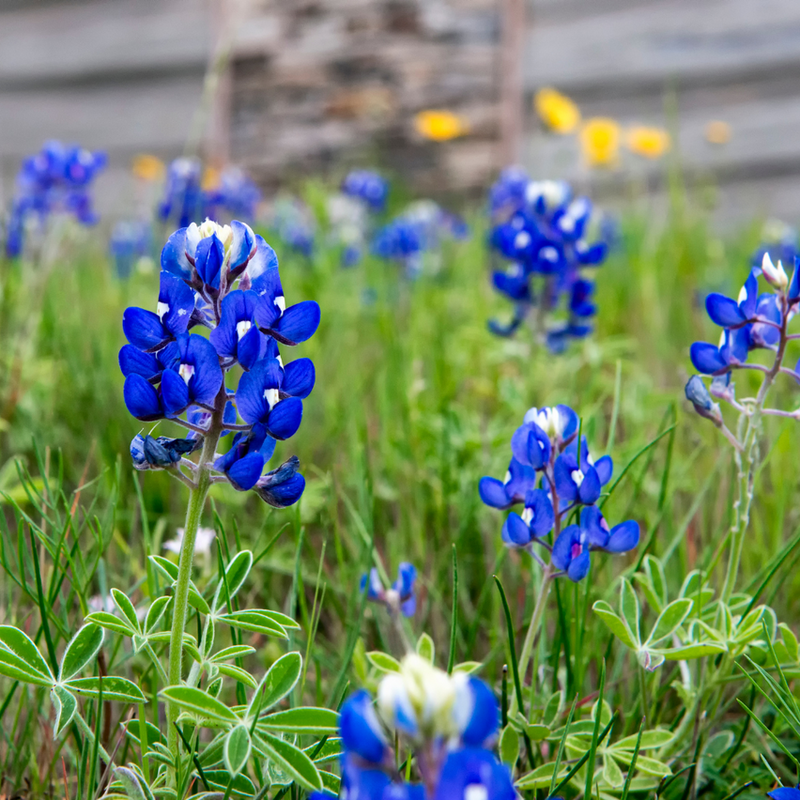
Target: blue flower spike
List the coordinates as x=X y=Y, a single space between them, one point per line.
x=400 y=597
x=219 y=277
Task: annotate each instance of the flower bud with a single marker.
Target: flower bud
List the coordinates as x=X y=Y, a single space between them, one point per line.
x=776 y=276
x=697 y=393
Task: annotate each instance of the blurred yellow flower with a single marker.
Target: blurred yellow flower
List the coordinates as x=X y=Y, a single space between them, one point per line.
x=210 y=178
x=556 y=110
x=646 y=141
x=440 y=126
x=718 y=132
x=147 y=167
x=599 y=138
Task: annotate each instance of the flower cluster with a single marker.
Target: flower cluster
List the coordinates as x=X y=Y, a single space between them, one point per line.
x=400 y=597
x=171 y=373
x=368 y=187
x=58 y=179
x=553 y=475
x=294 y=223
x=186 y=197
x=417 y=233
x=549 y=238
x=449 y=722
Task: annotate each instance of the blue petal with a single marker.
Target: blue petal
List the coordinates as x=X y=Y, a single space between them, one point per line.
x=406 y=576
x=359 y=728
x=579 y=567
x=208 y=260
x=565 y=486
x=245 y=472
x=543 y=515
x=624 y=537
x=493 y=493
x=530 y=445
x=589 y=490
x=299 y=322
x=516 y=532
x=724 y=311
x=474 y=768
x=174 y=392
x=262 y=271
x=706 y=358
x=748 y=304
x=285 y=417
x=604 y=467
x=133 y=361
x=204 y=384
x=137 y=452
x=243 y=246
x=250 y=400
x=594 y=527
x=142 y=399
x=249 y=348
x=143 y=329
x=173 y=256
x=485 y=715
x=298 y=378
x=562 y=549
x=793 y=292
x=179 y=300
x=784 y=793
x=569 y=421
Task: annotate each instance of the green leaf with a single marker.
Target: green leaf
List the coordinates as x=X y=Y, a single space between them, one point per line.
x=12 y=666
x=220 y=778
x=199 y=702
x=509 y=746
x=649 y=659
x=292 y=760
x=383 y=661
x=282 y=620
x=614 y=622
x=237 y=745
x=254 y=621
x=235 y=575
x=197 y=602
x=81 y=651
x=541 y=777
x=669 y=620
x=65 y=705
x=123 y=603
x=654 y=570
x=114 y=688
x=789 y=640
x=165 y=567
x=553 y=708
x=612 y=774
x=22 y=646
x=331 y=782
x=426 y=648
x=236 y=651
x=238 y=674
x=468 y=667
x=135 y=788
x=651 y=766
x=317 y=721
x=279 y=681
x=156 y=612
x=688 y=651
x=629 y=607
x=110 y=622
x=650 y=739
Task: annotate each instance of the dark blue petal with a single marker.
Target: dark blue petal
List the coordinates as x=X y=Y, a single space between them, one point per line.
x=285 y=417
x=793 y=292
x=143 y=329
x=530 y=445
x=470 y=769
x=624 y=537
x=243 y=246
x=604 y=467
x=748 y=303
x=706 y=358
x=262 y=271
x=569 y=422
x=250 y=400
x=245 y=472
x=521 y=479
x=543 y=516
x=174 y=393
x=697 y=392
x=299 y=322
x=133 y=361
x=298 y=378
x=207 y=378
x=249 y=348
x=516 y=532
x=724 y=311
x=562 y=549
x=593 y=527
x=493 y=493
x=784 y=793
x=579 y=567
x=589 y=490
x=175 y=303
x=157 y=454
x=137 y=452
x=406 y=576
x=142 y=399
x=209 y=256
x=359 y=728
x=485 y=716
x=566 y=489
x=173 y=256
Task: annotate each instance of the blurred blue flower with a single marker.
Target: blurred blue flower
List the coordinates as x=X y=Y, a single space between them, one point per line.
x=294 y=224
x=183 y=196
x=131 y=241
x=233 y=195
x=369 y=187
x=400 y=596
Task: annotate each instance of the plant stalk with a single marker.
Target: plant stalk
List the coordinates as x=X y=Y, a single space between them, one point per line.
x=536 y=622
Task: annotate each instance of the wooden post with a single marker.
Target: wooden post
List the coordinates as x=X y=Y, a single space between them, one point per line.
x=512 y=43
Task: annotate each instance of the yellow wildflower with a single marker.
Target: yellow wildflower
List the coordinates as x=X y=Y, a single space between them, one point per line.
x=556 y=110
x=599 y=138
x=647 y=141
x=147 y=167
x=210 y=178
x=440 y=126
x=718 y=132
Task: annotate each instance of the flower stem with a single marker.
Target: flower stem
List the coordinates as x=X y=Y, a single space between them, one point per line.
x=536 y=622
x=194 y=512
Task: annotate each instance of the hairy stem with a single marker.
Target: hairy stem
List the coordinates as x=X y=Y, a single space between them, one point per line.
x=536 y=622
x=194 y=513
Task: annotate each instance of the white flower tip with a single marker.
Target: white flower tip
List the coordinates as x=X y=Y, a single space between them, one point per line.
x=776 y=276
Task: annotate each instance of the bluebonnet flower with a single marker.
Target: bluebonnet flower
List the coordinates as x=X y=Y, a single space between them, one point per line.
x=550 y=239
x=174 y=373
x=294 y=224
x=233 y=194
x=131 y=241
x=448 y=722
x=400 y=596
x=553 y=473
x=785 y=793
x=367 y=186
x=779 y=240
x=183 y=195
x=57 y=180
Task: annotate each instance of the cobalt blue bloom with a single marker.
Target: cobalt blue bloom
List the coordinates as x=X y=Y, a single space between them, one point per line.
x=571 y=553
x=368 y=187
x=536 y=521
x=401 y=596
x=149 y=331
x=237 y=336
x=581 y=481
x=785 y=793
x=476 y=710
x=728 y=313
x=619 y=539
x=161 y=452
x=282 y=487
x=244 y=462
x=513 y=489
x=183 y=195
x=474 y=773
x=258 y=400
x=361 y=730
x=234 y=194
x=196 y=377
x=731 y=352
x=531 y=445
x=507 y=195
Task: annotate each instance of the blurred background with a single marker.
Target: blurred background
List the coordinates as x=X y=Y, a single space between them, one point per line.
x=292 y=87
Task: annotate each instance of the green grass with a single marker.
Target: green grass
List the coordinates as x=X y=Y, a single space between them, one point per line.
x=415 y=400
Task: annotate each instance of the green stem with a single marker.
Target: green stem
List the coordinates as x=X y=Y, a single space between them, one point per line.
x=194 y=513
x=536 y=623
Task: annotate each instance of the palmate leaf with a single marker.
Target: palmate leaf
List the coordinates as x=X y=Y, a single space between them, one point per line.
x=200 y=703
x=155 y=613
x=20 y=654
x=290 y=759
x=509 y=746
x=238 y=674
x=81 y=651
x=629 y=608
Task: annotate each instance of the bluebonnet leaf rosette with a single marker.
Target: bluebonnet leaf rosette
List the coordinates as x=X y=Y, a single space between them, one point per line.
x=449 y=724
x=553 y=474
x=219 y=278
x=400 y=597
x=551 y=239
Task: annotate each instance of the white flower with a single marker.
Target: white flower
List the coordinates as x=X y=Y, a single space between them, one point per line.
x=775 y=275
